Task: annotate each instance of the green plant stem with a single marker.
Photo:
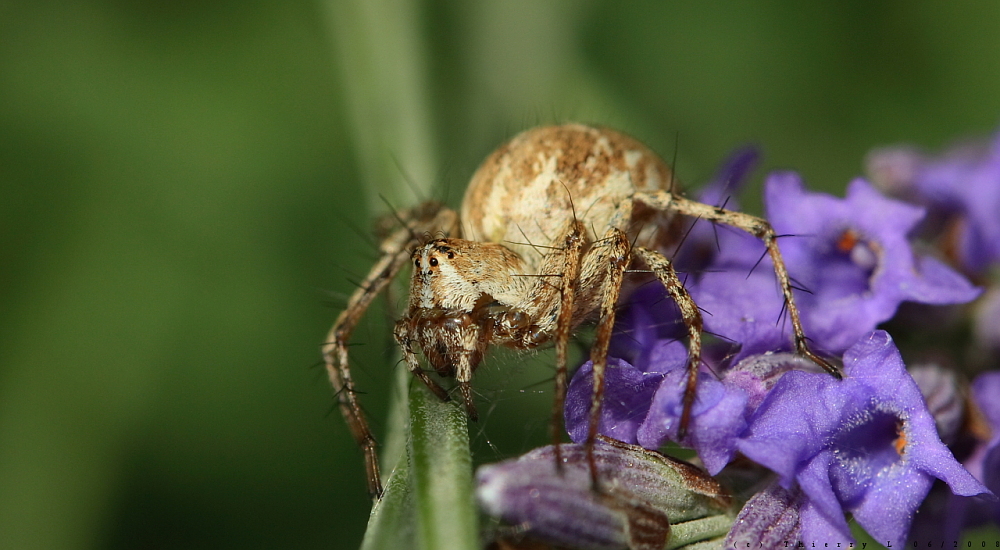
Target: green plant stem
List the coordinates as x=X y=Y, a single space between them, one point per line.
x=428 y=501
x=441 y=473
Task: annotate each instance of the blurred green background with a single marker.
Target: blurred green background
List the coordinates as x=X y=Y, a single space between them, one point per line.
x=188 y=187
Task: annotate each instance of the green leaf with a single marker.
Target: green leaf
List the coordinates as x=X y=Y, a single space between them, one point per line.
x=392 y=521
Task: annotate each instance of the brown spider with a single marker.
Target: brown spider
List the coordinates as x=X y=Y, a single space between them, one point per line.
x=550 y=224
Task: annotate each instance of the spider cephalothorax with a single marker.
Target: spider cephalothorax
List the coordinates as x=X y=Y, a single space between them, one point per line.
x=550 y=224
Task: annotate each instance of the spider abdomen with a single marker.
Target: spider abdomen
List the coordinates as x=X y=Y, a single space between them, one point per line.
x=527 y=192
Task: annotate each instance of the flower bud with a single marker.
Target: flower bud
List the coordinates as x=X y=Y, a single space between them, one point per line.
x=642 y=499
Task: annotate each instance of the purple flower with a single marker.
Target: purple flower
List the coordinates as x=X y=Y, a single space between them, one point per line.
x=651 y=316
x=944 y=398
x=770 y=519
x=643 y=404
x=865 y=445
x=852 y=255
x=984 y=462
x=987 y=322
x=963 y=186
x=985 y=465
x=756 y=375
x=628 y=394
x=644 y=498
x=717 y=418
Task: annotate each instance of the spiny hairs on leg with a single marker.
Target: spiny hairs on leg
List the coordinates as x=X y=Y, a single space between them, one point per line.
x=610 y=259
x=664 y=271
x=753 y=225
x=759 y=228
x=395 y=249
x=564 y=323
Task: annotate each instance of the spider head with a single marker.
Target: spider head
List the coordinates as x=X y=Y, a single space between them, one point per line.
x=460 y=275
x=438 y=280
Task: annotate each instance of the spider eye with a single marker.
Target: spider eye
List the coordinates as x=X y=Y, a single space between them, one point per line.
x=434 y=262
x=416 y=263
x=451 y=255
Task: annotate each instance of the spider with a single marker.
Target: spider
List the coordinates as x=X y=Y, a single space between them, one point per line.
x=549 y=227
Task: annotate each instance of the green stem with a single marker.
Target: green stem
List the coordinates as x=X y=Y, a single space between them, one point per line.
x=428 y=501
x=441 y=473
x=381 y=53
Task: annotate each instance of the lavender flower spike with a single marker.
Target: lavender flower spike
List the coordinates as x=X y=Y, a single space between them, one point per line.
x=643 y=499
x=770 y=519
x=865 y=445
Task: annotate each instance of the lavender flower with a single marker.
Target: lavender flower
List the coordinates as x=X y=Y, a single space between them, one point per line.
x=756 y=375
x=943 y=396
x=643 y=499
x=643 y=405
x=853 y=256
x=984 y=462
x=628 y=395
x=865 y=445
x=962 y=187
x=769 y=519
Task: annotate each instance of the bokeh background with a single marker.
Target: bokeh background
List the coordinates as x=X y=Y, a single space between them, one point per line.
x=187 y=191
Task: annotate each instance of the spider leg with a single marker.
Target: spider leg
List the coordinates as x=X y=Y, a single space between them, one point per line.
x=552 y=307
x=402 y=334
x=463 y=375
x=570 y=270
x=664 y=271
x=395 y=250
x=759 y=228
x=603 y=268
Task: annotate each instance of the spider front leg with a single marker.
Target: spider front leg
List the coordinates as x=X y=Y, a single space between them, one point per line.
x=406 y=337
x=549 y=311
x=664 y=271
x=759 y=228
x=603 y=271
x=395 y=253
x=569 y=269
